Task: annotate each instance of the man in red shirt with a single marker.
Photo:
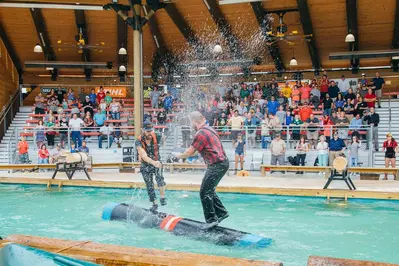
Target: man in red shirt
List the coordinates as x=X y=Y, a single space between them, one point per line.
x=305 y=112
x=100 y=95
x=207 y=143
x=370 y=98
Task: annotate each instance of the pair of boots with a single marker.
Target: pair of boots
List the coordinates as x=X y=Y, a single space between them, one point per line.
x=154 y=207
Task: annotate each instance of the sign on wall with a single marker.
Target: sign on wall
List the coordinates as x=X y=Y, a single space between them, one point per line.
x=116 y=92
x=46 y=90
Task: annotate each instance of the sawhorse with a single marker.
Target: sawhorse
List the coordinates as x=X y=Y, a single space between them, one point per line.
x=70 y=169
x=341 y=177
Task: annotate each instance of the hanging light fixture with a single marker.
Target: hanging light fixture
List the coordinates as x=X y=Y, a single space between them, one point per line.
x=350 y=38
x=293 y=61
x=38 y=49
x=217 y=49
x=122 y=51
x=122 y=68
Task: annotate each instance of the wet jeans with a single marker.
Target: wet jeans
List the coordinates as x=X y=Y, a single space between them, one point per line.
x=148 y=172
x=211 y=204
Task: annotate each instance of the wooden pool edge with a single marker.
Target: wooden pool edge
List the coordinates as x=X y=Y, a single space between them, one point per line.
x=108 y=254
x=302 y=192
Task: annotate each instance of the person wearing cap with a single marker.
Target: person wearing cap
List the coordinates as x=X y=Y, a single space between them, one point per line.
x=88 y=106
x=277 y=149
x=363 y=80
x=147 y=146
x=390 y=147
x=207 y=142
x=336 y=147
x=55 y=154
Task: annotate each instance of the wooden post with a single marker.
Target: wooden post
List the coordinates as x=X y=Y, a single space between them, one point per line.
x=137 y=58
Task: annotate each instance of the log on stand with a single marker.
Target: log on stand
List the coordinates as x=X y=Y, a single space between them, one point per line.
x=71 y=163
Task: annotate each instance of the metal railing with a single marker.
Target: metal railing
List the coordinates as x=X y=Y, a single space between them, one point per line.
x=8 y=112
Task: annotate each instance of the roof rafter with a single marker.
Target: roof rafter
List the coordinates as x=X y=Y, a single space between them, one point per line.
x=224 y=28
x=10 y=49
x=185 y=29
x=265 y=24
x=308 y=30
x=395 y=39
x=351 y=18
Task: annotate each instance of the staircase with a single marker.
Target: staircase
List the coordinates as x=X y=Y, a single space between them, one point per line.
x=386 y=126
x=10 y=138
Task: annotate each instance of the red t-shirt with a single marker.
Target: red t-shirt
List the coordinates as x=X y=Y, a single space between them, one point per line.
x=100 y=96
x=369 y=97
x=324 y=85
x=393 y=144
x=43 y=154
x=305 y=113
x=305 y=93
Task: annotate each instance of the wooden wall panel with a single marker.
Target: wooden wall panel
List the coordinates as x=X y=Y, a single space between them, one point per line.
x=375 y=23
x=61 y=26
x=21 y=32
x=8 y=76
x=329 y=26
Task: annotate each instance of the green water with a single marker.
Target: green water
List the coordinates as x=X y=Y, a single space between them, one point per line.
x=300 y=227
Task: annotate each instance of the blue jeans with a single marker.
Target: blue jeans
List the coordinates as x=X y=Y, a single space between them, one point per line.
x=353 y=162
x=265 y=142
x=77 y=138
x=42 y=161
x=323 y=159
x=327 y=112
x=116 y=116
x=100 y=141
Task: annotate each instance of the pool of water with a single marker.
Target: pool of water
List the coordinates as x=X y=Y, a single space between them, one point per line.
x=361 y=229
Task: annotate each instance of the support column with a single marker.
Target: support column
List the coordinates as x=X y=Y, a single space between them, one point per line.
x=137 y=63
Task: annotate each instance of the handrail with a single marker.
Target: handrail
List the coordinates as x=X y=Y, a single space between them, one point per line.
x=8 y=105
x=389 y=107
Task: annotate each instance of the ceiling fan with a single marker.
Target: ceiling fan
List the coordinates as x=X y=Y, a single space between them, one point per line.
x=281 y=33
x=80 y=45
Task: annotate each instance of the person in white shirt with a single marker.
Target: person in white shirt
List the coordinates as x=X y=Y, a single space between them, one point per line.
x=322 y=151
x=75 y=125
x=343 y=85
x=105 y=134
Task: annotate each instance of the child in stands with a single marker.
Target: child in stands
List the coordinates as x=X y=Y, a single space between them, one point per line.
x=240 y=152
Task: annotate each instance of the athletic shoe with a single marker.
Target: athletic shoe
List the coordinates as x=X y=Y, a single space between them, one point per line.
x=220 y=219
x=209 y=225
x=154 y=208
x=163 y=201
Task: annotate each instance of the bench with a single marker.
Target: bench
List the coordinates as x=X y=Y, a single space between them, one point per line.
x=295 y=168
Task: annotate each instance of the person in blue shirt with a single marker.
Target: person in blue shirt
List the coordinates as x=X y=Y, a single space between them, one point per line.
x=93 y=97
x=73 y=148
x=288 y=118
x=168 y=103
x=99 y=119
x=240 y=152
x=272 y=106
x=84 y=148
x=337 y=147
x=355 y=125
x=340 y=101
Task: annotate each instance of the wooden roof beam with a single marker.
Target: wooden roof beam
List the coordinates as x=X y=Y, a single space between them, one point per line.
x=395 y=39
x=265 y=26
x=10 y=49
x=185 y=29
x=80 y=19
x=351 y=18
x=308 y=30
x=224 y=28
x=43 y=36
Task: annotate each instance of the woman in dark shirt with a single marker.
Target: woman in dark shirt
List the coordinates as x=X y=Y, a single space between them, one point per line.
x=360 y=107
x=350 y=96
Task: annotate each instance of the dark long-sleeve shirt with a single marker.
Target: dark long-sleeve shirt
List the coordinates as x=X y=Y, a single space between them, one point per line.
x=372 y=119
